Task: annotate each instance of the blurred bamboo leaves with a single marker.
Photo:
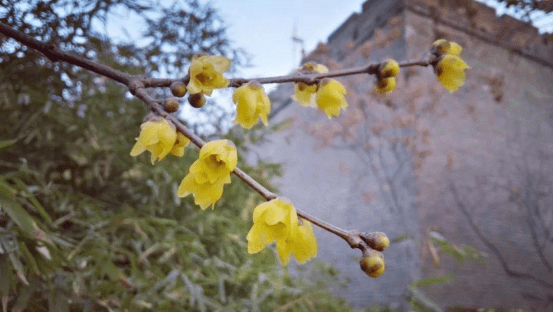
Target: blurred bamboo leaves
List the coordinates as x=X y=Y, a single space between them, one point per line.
x=86 y=227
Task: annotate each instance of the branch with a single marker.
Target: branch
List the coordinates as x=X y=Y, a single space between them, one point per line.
x=137 y=86
x=492 y=247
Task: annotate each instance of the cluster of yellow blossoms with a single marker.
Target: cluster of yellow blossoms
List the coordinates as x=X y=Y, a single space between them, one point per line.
x=277 y=219
x=449 y=67
x=273 y=220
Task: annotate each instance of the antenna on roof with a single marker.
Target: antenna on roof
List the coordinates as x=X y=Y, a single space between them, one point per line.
x=296 y=40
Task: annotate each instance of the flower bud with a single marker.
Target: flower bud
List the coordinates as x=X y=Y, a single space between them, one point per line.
x=196 y=100
x=372 y=265
x=171 y=105
x=178 y=88
x=376 y=240
x=385 y=85
x=388 y=69
x=439 y=47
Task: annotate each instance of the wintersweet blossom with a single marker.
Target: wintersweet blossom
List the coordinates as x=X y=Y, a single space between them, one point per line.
x=331 y=97
x=181 y=143
x=206 y=74
x=159 y=138
x=209 y=173
x=305 y=93
x=251 y=103
x=450 y=71
x=277 y=220
x=302 y=243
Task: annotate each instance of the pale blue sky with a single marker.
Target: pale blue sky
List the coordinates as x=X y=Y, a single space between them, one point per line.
x=264 y=28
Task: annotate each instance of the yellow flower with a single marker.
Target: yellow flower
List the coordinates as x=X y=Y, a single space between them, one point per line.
x=251 y=103
x=450 y=71
x=206 y=74
x=158 y=137
x=181 y=143
x=302 y=244
x=209 y=173
x=385 y=85
x=304 y=93
x=205 y=194
x=442 y=46
x=221 y=154
x=331 y=98
x=277 y=220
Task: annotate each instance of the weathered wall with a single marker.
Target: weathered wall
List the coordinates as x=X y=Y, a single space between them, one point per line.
x=474 y=166
x=487 y=182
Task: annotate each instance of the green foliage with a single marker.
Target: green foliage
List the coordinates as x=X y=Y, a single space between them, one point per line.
x=460 y=253
x=86 y=227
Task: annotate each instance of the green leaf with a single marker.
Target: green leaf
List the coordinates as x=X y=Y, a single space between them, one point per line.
x=23 y=187
x=57 y=301
x=7 y=143
x=5 y=277
x=18 y=214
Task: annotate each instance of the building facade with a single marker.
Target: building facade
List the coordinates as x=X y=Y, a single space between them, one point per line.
x=461 y=182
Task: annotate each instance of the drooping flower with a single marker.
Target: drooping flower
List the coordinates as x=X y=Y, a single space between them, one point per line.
x=302 y=243
x=181 y=143
x=450 y=71
x=158 y=137
x=277 y=220
x=206 y=74
x=251 y=103
x=331 y=97
x=205 y=194
x=305 y=93
x=209 y=173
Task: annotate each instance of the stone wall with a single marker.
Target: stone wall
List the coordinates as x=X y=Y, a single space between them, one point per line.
x=473 y=167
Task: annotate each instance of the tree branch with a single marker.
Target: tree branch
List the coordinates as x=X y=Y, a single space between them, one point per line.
x=137 y=86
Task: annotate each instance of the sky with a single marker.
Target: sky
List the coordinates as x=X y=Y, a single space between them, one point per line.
x=264 y=29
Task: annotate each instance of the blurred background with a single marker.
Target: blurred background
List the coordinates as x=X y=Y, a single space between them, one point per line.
x=460 y=182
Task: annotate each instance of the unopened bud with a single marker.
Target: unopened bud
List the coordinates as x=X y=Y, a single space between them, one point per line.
x=389 y=69
x=196 y=100
x=372 y=265
x=178 y=88
x=439 y=47
x=171 y=105
x=376 y=240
